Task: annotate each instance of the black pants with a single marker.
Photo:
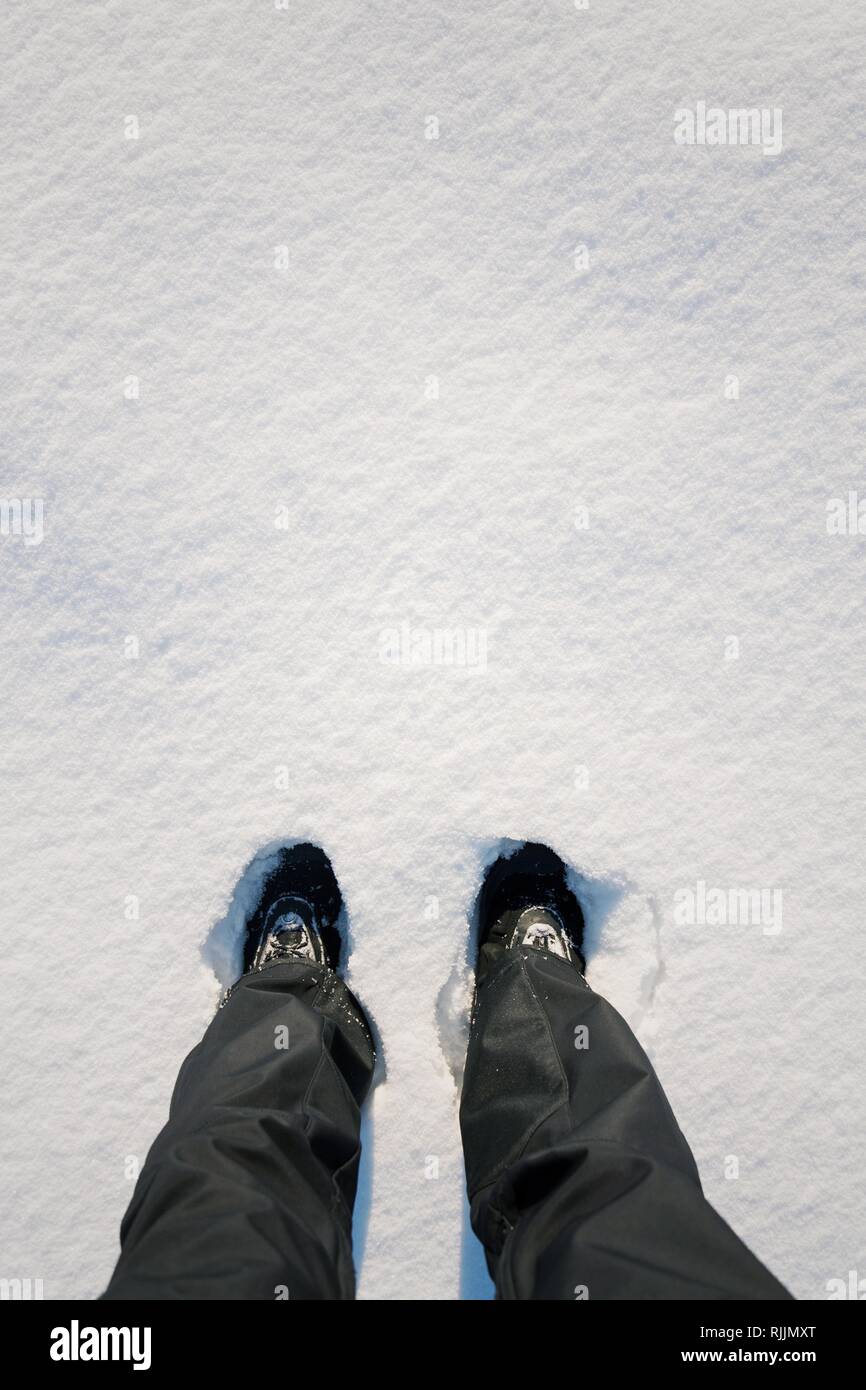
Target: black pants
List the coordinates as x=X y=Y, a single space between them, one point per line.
x=580 y=1181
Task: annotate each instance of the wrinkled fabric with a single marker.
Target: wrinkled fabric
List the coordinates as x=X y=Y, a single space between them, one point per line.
x=247 y=1193
x=581 y=1183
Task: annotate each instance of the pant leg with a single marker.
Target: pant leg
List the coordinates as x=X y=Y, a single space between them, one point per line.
x=581 y=1183
x=248 y=1191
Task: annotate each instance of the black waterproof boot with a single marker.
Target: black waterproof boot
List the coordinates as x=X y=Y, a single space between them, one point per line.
x=248 y=1190
x=580 y=1182
x=298 y=912
x=525 y=902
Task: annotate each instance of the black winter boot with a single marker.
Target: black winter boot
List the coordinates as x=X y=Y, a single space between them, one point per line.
x=525 y=901
x=298 y=913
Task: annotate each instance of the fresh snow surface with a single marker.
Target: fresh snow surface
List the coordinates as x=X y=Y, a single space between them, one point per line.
x=378 y=376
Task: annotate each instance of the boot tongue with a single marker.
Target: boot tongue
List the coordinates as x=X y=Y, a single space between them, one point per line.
x=544 y=938
x=289 y=934
x=291 y=937
x=289 y=930
x=541 y=930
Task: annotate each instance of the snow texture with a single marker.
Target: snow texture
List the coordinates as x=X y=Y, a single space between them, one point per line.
x=282 y=253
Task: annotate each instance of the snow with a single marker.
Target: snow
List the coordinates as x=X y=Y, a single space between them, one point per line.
x=286 y=486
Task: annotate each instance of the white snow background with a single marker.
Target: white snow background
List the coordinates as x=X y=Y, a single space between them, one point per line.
x=610 y=721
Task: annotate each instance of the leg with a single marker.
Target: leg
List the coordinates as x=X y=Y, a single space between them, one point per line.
x=248 y=1191
x=580 y=1181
